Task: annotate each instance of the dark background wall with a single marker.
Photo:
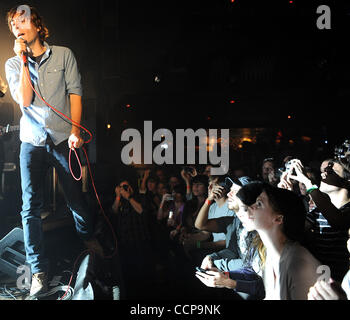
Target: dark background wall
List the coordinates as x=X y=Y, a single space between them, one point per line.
x=268 y=57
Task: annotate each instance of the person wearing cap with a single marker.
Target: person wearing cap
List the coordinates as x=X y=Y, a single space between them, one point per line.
x=216 y=206
x=239 y=265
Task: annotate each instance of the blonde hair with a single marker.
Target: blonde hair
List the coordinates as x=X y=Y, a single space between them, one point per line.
x=259 y=245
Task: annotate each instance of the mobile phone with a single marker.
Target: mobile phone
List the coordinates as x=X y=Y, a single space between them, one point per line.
x=201 y=270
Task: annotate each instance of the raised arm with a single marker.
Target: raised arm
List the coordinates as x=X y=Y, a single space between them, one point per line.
x=202 y=222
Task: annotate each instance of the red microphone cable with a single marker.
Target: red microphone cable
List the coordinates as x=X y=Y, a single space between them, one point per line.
x=25 y=61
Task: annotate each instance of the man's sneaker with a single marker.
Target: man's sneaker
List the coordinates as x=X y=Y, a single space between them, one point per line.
x=39 y=284
x=94 y=246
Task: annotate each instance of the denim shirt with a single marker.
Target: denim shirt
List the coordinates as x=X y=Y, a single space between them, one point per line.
x=55 y=78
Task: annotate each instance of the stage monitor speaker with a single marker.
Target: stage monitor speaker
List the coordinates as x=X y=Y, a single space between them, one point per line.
x=12 y=252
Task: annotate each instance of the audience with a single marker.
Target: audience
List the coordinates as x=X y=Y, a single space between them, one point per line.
x=262 y=240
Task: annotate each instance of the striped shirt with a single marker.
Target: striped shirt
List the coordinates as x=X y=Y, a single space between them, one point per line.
x=328 y=244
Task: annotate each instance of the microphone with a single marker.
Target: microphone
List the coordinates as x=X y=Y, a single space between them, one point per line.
x=24 y=53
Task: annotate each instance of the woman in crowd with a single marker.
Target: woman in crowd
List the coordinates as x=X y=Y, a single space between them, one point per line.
x=278 y=216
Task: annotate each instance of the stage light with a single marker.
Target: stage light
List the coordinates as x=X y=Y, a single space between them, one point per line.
x=109 y=126
x=289 y=117
x=157 y=79
x=232 y=101
x=128 y=106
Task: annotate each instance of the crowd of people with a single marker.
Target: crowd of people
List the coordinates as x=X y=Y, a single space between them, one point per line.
x=281 y=235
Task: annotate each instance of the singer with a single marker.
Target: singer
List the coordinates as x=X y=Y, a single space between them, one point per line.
x=45 y=137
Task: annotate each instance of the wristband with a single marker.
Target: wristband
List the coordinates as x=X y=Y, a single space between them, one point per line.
x=188 y=187
x=118 y=198
x=198 y=244
x=312 y=188
x=208 y=202
x=227 y=274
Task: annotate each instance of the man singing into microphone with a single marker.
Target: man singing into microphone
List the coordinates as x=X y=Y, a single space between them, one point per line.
x=46 y=137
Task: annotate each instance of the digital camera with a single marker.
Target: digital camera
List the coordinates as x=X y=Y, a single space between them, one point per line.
x=227 y=184
x=343 y=151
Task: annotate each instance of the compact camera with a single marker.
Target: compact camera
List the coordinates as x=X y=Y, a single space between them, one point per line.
x=286 y=168
x=189 y=170
x=343 y=151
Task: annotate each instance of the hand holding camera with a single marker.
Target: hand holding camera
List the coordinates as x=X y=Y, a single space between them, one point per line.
x=285 y=182
x=167 y=197
x=215 y=192
x=187 y=173
x=125 y=191
x=296 y=172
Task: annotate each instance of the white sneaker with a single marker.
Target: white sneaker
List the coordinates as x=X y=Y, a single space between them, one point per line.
x=39 y=284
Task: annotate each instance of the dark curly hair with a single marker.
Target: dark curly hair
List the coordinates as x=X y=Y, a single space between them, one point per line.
x=36 y=19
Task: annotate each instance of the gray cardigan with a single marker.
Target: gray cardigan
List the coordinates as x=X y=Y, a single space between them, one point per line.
x=298 y=272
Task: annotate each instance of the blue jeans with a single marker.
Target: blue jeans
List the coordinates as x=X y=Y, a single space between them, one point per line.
x=34 y=162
